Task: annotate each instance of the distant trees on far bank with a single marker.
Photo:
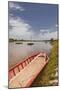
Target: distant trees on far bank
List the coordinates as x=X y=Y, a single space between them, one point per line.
x=13 y=40
x=51 y=40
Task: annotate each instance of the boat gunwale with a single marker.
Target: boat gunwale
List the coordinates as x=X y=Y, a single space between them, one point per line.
x=16 y=65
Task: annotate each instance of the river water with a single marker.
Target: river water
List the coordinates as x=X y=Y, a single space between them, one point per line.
x=18 y=52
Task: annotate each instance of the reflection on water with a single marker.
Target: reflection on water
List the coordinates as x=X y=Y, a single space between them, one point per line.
x=18 y=52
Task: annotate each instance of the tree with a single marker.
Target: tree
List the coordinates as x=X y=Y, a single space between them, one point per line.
x=51 y=40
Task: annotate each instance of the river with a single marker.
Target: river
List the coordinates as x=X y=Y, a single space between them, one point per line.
x=18 y=52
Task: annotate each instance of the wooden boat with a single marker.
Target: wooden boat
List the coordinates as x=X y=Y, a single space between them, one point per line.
x=19 y=43
x=30 y=43
x=24 y=73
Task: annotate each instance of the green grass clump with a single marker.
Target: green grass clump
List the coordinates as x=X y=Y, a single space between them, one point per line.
x=45 y=76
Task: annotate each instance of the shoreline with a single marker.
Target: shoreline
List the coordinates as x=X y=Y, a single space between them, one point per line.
x=44 y=79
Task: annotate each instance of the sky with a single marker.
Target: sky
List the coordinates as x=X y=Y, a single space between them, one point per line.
x=32 y=20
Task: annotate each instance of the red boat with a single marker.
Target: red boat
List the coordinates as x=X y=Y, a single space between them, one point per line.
x=24 y=73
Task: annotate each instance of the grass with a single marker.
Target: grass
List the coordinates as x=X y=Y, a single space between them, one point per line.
x=45 y=76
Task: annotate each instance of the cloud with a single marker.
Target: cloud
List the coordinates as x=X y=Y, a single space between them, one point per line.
x=44 y=31
x=56 y=25
x=15 y=6
x=20 y=29
x=48 y=35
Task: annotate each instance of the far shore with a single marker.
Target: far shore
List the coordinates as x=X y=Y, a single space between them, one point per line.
x=15 y=40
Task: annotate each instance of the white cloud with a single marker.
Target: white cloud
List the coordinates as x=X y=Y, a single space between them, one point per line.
x=19 y=29
x=13 y=5
x=22 y=30
x=48 y=35
x=44 y=30
x=56 y=25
